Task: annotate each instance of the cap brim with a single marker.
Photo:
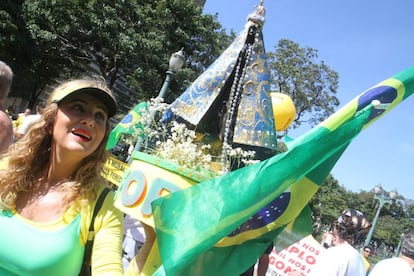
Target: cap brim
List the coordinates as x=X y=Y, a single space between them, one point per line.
x=100 y=94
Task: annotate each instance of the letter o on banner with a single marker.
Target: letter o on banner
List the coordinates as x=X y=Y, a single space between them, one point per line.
x=280 y=265
x=310 y=260
x=137 y=179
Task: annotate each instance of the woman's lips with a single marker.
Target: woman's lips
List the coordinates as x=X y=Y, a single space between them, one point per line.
x=82 y=133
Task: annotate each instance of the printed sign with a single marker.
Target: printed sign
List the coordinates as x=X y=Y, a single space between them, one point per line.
x=300 y=256
x=142 y=184
x=114 y=170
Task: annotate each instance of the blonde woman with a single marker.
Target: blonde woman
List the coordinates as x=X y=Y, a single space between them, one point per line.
x=49 y=183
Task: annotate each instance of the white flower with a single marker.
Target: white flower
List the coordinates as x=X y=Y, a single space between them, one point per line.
x=176 y=142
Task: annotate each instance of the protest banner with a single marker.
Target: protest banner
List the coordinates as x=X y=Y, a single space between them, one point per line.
x=300 y=256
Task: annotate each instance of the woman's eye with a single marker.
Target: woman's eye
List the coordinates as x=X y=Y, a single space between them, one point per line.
x=100 y=116
x=78 y=107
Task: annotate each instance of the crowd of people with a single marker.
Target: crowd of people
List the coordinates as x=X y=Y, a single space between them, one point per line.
x=22 y=121
x=343 y=257
x=50 y=182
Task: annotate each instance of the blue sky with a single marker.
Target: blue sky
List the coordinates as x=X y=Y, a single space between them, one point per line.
x=366 y=42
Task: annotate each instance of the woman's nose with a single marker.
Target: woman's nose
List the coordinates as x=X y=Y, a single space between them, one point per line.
x=88 y=119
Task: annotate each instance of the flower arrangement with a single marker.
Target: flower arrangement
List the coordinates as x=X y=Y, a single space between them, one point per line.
x=177 y=143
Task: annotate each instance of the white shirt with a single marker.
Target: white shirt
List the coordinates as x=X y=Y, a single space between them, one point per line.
x=27 y=122
x=392 y=266
x=339 y=260
x=134 y=229
x=134 y=238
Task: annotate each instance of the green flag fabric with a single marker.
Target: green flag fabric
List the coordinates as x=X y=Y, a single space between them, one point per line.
x=295 y=231
x=235 y=259
x=236 y=252
x=221 y=226
x=127 y=125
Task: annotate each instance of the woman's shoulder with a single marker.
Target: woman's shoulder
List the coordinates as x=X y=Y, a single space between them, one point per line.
x=104 y=193
x=106 y=203
x=344 y=248
x=107 y=215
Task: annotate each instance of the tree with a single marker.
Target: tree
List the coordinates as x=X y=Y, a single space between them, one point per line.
x=31 y=65
x=117 y=39
x=331 y=199
x=329 y=202
x=392 y=222
x=311 y=86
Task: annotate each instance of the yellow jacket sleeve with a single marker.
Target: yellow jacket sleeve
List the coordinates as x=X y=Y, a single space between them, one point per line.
x=107 y=246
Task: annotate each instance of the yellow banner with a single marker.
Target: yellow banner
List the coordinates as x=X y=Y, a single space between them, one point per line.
x=114 y=170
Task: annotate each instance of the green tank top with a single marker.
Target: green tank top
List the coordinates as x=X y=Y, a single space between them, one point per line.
x=30 y=248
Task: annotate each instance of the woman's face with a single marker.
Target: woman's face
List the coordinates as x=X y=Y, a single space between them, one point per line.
x=80 y=126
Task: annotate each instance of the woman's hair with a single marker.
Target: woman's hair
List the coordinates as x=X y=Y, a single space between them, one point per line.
x=352 y=226
x=29 y=158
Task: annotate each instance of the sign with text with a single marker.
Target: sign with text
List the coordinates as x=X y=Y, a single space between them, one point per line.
x=143 y=183
x=300 y=256
x=114 y=170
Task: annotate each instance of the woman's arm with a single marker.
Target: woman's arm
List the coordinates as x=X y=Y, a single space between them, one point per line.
x=107 y=247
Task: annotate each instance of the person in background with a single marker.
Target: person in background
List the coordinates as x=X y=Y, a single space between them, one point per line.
x=343 y=259
x=21 y=116
x=50 y=181
x=366 y=252
x=327 y=239
x=10 y=111
x=134 y=239
x=262 y=263
x=403 y=265
x=13 y=116
x=6 y=126
x=28 y=121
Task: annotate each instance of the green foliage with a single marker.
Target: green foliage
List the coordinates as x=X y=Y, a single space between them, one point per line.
x=311 y=85
x=331 y=199
x=124 y=40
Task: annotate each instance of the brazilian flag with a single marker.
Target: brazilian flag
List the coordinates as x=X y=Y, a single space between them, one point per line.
x=127 y=124
x=221 y=226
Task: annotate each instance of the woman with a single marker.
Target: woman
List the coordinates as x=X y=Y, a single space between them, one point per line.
x=49 y=183
x=342 y=259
